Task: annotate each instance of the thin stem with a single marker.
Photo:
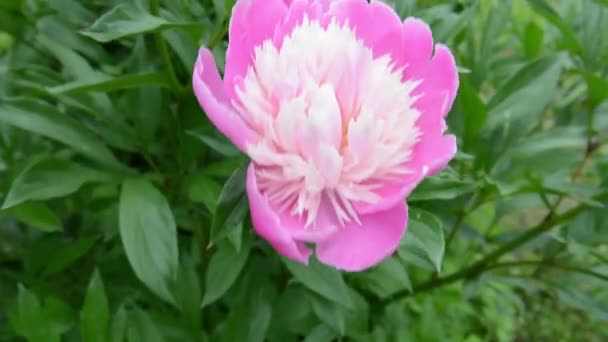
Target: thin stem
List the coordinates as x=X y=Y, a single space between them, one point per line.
x=460 y=220
x=551 y=265
x=482 y=265
x=218 y=35
x=164 y=51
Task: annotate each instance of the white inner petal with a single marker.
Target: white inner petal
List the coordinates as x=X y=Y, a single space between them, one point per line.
x=333 y=122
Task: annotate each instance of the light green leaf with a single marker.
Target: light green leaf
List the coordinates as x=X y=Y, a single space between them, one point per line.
x=126 y=20
x=526 y=94
x=95 y=314
x=442 y=188
x=321 y=333
x=35 y=214
x=149 y=236
x=118 y=327
x=423 y=244
x=321 y=279
x=544 y=9
x=40 y=118
x=49 y=177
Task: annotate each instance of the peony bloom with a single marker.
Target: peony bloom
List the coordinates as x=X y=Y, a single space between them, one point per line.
x=341 y=107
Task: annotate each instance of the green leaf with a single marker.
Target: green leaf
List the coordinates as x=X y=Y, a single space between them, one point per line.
x=321 y=279
x=532 y=40
x=95 y=314
x=29 y=320
x=203 y=189
x=118 y=327
x=188 y=295
x=544 y=9
x=423 y=244
x=126 y=20
x=321 y=333
x=149 y=236
x=222 y=146
x=441 y=188
x=40 y=118
x=35 y=214
x=386 y=278
x=143 y=328
x=582 y=300
x=231 y=206
x=67 y=255
x=527 y=93
x=473 y=112
x=49 y=177
x=331 y=313
x=596 y=89
x=250 y=317
x=109 y=83
x=223 y=269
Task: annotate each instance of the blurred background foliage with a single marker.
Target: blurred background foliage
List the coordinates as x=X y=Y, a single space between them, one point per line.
x=123 y=216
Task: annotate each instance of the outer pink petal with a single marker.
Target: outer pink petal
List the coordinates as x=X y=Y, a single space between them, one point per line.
x=252 y=22
x=269 y=226
x=298 y=9
x=375 y=23
x=417 y=43
x=357 y=247
x=436 y=92
x=210 y=93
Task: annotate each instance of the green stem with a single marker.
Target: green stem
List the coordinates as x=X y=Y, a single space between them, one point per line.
x=486 y=262
x=460 y=220
x=164 y=50
x=544 y=263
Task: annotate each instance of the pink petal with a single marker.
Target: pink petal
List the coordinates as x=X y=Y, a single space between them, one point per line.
x=356 y=247
x=417 y=43
x=210 y=93
x=375 y=23
x=269 y=226
x=298 y=9
x=437 y=90
x=252 y=22
x=439 y=84
x=287 y=233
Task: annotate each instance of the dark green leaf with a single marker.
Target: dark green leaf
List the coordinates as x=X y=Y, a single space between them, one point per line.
x=321 y=279
x=108 y=83
x=223 y=269
x=423 y=244
x=67 y=255
x=49 y=177
x=41 y=118
x=231 y=206
x=126 y=20
x=149 y=236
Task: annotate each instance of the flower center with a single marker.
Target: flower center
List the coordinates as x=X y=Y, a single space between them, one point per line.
x=334 y=124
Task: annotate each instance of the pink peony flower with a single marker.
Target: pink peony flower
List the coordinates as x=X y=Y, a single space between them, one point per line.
x=341 y=108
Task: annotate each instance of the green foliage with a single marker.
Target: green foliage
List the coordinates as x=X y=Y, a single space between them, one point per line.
x=124 y=215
